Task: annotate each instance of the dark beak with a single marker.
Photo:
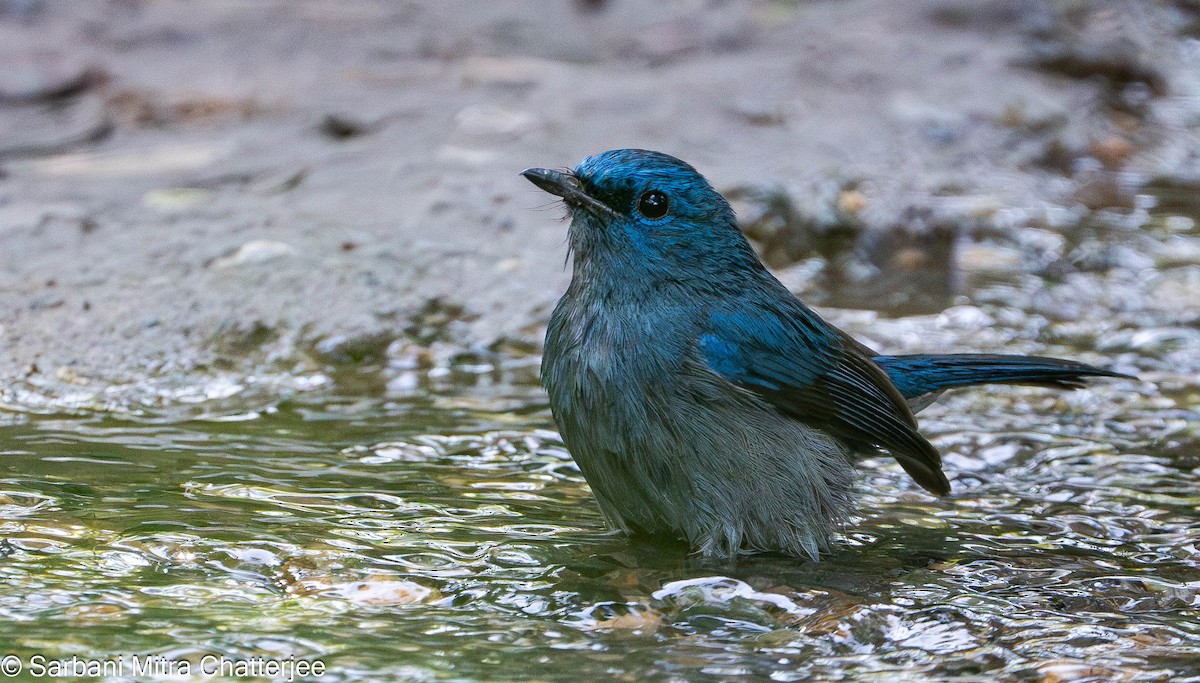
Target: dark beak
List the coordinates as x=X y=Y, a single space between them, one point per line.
x=566 y=186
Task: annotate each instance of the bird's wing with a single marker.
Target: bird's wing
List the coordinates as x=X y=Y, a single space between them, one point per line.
x=808 y=370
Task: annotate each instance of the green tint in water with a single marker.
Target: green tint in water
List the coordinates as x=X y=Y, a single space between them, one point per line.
x=338 y=529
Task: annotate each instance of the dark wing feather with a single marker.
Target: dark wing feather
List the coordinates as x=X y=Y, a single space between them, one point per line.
x=810 y=372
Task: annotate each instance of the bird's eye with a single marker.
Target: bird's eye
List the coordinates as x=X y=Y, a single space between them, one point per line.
x=653 y=204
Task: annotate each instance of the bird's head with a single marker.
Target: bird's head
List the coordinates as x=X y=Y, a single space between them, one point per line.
x=636 y=208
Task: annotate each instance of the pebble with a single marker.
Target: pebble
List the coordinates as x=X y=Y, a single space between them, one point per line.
x=1179 y=223
x=169 y=199
x=761 y=111
x=1034 y=114
x=382 y=592
x=255 y=252
x=1175 y=289
x=1177 y=251
x=375 y=591
x=343 y=126
x=1112 y=151
x=1062 y=671
x=989 y=258
x=642 y=620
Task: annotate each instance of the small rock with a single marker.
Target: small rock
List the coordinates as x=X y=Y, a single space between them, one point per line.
x=240 y=339
x=170 y=199
x=760 y=111
x=342 y=127
x=1179 y=223
x=96 y=613
x=643 y=620
x=353 y=349
x=590 y=5
x=1034 y=115
x=255 y=252
x=1175 y=289
x=1113 y=151
x=989 y=258
x=509 y=265
x=67 y=375
x=1063 y=671
x=851 y=202
x=404 y=384
x=1103 y=191
x=375 y=591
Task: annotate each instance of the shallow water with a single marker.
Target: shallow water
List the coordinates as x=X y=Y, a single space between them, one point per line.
x=444 y=535
x=432 y=526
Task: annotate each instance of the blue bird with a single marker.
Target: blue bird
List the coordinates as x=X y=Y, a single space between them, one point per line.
x=699 y=397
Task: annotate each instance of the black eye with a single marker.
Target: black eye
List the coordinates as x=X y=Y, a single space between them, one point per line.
x=653 y=204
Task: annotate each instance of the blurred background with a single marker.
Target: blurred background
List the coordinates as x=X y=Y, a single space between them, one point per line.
x=272 y=295
x=190 y=186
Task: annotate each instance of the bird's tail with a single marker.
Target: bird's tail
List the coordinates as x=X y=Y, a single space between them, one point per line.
x=921 y=376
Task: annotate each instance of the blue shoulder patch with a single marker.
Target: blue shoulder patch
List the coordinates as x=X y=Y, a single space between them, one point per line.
x=726 y=359
x=722 y=357
x=758 y=347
